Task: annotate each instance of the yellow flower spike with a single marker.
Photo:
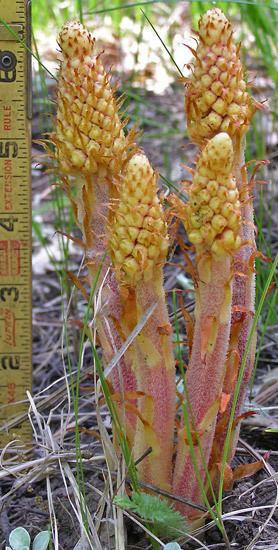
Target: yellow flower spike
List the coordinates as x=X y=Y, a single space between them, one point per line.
x=89 y=134
x=140 y=242
x=219 y=110
x=213 y=220
x=138 y=247
x=217 y=99
x=91 y=151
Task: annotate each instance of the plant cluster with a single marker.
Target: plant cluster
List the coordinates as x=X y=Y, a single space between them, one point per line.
x=113 y=189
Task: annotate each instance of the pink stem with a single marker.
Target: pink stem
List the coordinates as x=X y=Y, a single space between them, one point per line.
x=243 y=311
x=155 y=376
x=93 y=210
x=204 y=378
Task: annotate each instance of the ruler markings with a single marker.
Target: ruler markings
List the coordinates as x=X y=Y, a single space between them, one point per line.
x=14 y=284
x=13 y=213
x=15 y=235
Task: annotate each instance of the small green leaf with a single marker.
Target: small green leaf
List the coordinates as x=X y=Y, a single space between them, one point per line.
x=19 y=539
x=41 y=541
x=124 y=502
x=156 y=512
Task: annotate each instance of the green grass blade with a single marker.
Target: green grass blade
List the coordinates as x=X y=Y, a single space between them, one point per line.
x=79 y=6
x=172 y=187
x=125 y=7
x=263 y=332
x=163 y=43
x=240 y=378
x=131 y=468
x=18 y=39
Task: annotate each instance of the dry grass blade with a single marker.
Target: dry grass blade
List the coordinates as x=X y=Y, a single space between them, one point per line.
x=144 y=528
x=111 y=461
x=129 y=340
x=80 y=504
x=267 y=521
x=236 y=514
x=272 y=477
x=44 y=403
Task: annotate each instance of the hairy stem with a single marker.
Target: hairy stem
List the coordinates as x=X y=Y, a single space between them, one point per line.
x=205 y=375
x=156 y=378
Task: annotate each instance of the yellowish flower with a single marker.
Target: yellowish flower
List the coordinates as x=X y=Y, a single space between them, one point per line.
x=139 y=239
x=213 y=214
x=217 y=99
x=89 y=135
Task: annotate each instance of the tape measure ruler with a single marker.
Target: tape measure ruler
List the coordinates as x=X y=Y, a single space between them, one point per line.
x=15 y=218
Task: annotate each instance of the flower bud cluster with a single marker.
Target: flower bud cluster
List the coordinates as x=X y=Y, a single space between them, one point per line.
x=213 y=212
x=89 y=134
x=139 y=241
x=216 y=98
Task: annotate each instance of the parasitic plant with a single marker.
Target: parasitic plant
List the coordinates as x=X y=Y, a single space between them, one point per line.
x=212 y=220
x=91 y=150
x=113 y=189
x=139 y=245
x=217 y=100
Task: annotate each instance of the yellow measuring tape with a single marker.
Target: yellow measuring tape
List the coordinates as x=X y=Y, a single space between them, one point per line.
x=15 y=218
